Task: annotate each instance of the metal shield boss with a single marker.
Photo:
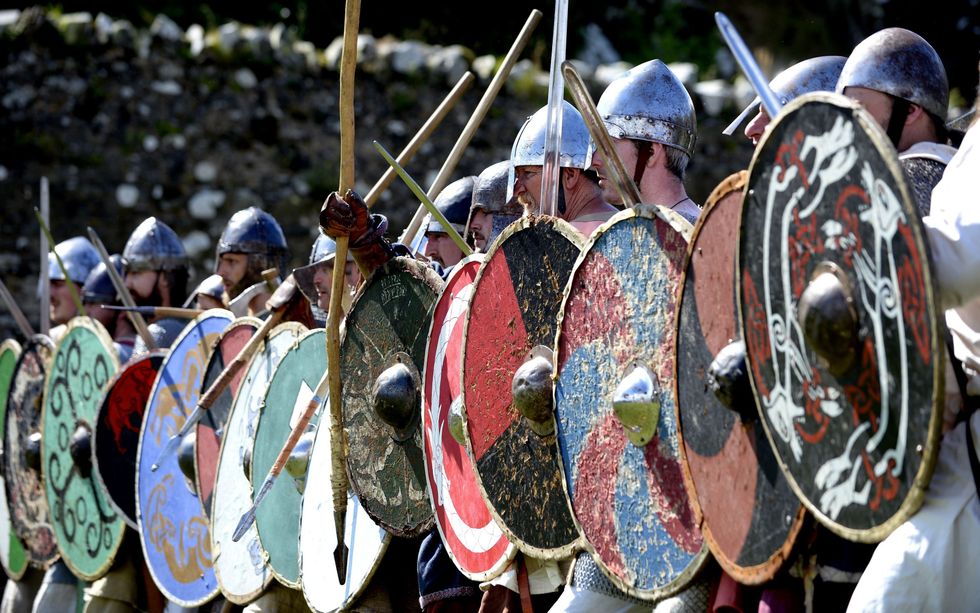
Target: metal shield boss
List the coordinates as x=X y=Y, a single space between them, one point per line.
x=117 y=430
x=382 y=355
x=366 y=541
x=87 y=528
x=286 y=397
x=173 y=527
x=748 y=514
x=22 y=453
x=511 y=323
x=472 y=538
x=207 y=439
x=13 y=555
x=841 y=324
x=615 y=404
x=241 y=566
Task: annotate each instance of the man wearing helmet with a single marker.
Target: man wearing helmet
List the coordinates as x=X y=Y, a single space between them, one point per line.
x=898 y=77
x=316 y=278
x=811 y=75
x=580 y=199
x=491 y=211
x=251 y=243
x=79 y=258
x=98 y=290
x=156 y=275
x=929 y=562
x=454 y=204
x=650 y=117
x=837 y=562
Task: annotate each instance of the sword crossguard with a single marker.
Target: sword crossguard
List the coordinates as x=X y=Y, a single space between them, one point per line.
x=636 y=404
x=533 y=391
x=395 y=396
x=829 y=319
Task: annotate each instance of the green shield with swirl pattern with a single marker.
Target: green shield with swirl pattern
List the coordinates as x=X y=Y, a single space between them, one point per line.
x=87 y=528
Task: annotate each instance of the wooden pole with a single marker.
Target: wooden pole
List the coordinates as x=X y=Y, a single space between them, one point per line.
x=476 y=119
x=338 y=478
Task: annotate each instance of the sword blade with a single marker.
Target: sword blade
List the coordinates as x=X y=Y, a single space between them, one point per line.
x=249 y=517
x=748 y=64
x=174 y=440
x=138 y=322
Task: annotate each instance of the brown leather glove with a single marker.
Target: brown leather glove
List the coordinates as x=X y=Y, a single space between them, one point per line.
x=345 y=216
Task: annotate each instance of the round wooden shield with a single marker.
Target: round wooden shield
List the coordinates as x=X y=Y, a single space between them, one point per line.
x=387 y=325
x=286 y=397
x=240 y=566
x=829 y=229
x=628 y=497
x=472 y=537
x=117 y=430
x=749 y=516
x=87 y=529
x=174 y=530
x=12 y=553
x=514 y=308
x=211 y=426
x=366 y=541
x=25 y=492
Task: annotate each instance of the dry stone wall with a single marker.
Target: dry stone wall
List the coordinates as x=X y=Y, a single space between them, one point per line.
x=192 y=125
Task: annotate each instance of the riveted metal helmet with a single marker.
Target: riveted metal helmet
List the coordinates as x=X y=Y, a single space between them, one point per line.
x=576 y=143
x=900 y=63
x=817 y=74
x=253 y=231
x=650 y=103
x=153 y=245
x=212 y=286
x=98 y=287
x=79 y=257
x=490 y=191
x=324 y=250
x=454 y=203
x=257 y=235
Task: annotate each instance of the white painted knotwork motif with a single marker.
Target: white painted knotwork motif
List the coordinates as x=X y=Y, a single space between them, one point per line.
x=862 y=235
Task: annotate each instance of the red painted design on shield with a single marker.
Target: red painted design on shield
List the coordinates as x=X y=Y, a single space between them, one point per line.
x=595 y=491
x=463 y=485
x=883 y=486
x=845 y=212
x=815 y=423
x=496 y=348
x=591 y=322
x=864 y=395
x=788 y=156
x=128 y=401
x=803 y=245
x=665 y=479
x=756 y=332
x=911 y=287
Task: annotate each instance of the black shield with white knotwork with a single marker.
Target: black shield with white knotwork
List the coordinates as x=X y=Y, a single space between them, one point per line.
x=841 y=325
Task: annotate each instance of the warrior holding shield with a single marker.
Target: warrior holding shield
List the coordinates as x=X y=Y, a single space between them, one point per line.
x=928 y=563
x=251 y=243
x=156 y=274
x=899 y=78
